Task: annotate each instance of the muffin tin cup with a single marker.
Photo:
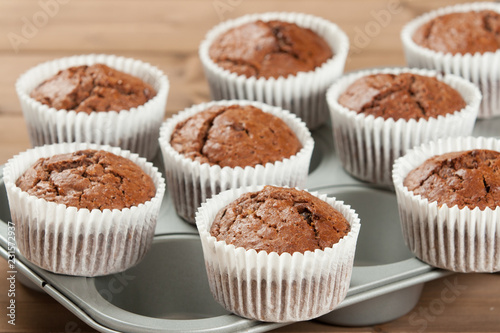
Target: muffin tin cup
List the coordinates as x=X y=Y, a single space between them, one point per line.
x=481 y=69
x=460 y=240
x=72 y=241
x=191 y=183
x=368 y=145
x=135 y=129
x=271 y=287
x=303 y=93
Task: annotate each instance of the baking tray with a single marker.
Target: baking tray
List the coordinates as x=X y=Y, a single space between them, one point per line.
x=168 y=291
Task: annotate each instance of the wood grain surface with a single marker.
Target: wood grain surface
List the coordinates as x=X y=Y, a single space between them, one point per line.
x=166 y=33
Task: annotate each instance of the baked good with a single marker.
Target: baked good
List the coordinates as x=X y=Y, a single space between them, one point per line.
x=83 y=209
x=95 y=98
x=211 y=147
x=461 y=32
x=269 y=49
x=464 y=178
x=93 y=88
x=284 y=59
x=378 y=114
x=88 y=179
x=265 y=278
x=463 y=40
x=234 y=136
x=279 y=220
x=447 y=193
x=401 y=96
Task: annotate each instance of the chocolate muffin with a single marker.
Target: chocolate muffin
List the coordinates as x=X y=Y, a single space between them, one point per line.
x=93 y=88
x=269 y=49
x=234 y=136
x=461 y=32
x=465 y=178
x=92 y=179
x=278 y=219
x=402 y=96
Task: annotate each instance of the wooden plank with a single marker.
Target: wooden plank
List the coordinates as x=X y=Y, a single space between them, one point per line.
x=166 y=26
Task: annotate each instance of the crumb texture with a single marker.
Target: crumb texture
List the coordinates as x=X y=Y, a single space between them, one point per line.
x=235 y=136
x=467 y=179
x=461 y=33
x=280 y=220
x=403 y=96
x=93 y=88
x=269 y=49
x=88 y=179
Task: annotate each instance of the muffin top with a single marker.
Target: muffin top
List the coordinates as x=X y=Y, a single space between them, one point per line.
x=234 y=136
x=89 y=179
x=269 y=49
x=93 y=88
x=278 y=219
x=466 y=178
x=461 y=33
x=403 y=96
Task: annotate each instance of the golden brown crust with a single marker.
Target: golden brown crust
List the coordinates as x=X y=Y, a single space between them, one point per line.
x=88 y=179
x=93 y=88
x=269 y=49
x=280 y=220
x=461 y=33
x=235 y=136
x=467 y=179
x=404 y=96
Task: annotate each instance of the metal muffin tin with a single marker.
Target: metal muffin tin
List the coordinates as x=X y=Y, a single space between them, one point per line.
x=168 y=291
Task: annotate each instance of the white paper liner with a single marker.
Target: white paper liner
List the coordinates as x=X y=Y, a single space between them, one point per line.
x=135 y=129
x=481 y=69
x=460 y=240
x=73 y=241
x=368 y=145
x=191 y=183
x=271 y=287
x=302 y=94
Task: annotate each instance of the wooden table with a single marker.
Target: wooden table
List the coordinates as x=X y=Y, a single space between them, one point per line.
x=167 y=34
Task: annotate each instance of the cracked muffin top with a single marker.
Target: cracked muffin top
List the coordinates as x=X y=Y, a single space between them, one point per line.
x=234 y=136
x=269 y=49
x=93 y=88
x=461 y=33
x=403 y=96
x=278 y=219
x=91 y=179
x=466 y=178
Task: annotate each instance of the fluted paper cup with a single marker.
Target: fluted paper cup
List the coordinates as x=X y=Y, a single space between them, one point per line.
x=460 y=240
x=67 y=240
x=481 y=69
x=135 y=129
x=303 y=93
x=368 y=145
x=271 y=287
x=191 y=182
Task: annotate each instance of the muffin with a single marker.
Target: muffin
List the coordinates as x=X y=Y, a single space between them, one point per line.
x=215 y=146
x=377 y=115
x=448 y=198
x=283 y=59
x=277 y=254
x=462 y=40
x=83 y=209
x=100 y=99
